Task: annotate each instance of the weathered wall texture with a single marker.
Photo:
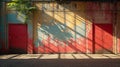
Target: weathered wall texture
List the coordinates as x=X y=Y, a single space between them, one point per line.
x=75 y=27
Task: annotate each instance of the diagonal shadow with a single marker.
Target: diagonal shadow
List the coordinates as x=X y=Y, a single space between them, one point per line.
x=48 y=28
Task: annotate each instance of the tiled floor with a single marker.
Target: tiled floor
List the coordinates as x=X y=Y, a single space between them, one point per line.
x=60 y=60
x=60 y=56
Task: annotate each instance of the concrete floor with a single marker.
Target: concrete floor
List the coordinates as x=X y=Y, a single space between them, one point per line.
x=60 y=60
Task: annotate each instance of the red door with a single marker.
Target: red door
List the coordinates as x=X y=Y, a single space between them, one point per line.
x=103 y=36
x=18 y=38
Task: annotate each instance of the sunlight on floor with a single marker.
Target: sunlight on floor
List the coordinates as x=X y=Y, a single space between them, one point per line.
x=60 y=56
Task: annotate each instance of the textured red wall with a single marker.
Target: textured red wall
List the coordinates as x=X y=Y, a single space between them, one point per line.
x=18 y=38
x=103 y=38
x=85 y=22
x=84 y=27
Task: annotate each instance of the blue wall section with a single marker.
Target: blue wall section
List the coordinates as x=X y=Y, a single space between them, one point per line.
x=15 y=18
x=12 y=18
x=57 y=31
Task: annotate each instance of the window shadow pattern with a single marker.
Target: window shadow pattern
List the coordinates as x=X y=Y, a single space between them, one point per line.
x=64 y=30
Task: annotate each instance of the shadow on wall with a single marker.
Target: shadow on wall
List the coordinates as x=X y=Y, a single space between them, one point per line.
x=103 y=33
x=54 y=28
x=59 y=32
x=57 y=25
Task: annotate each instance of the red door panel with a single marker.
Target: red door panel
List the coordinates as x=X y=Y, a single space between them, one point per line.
x=18 y=38
x=103 y=38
